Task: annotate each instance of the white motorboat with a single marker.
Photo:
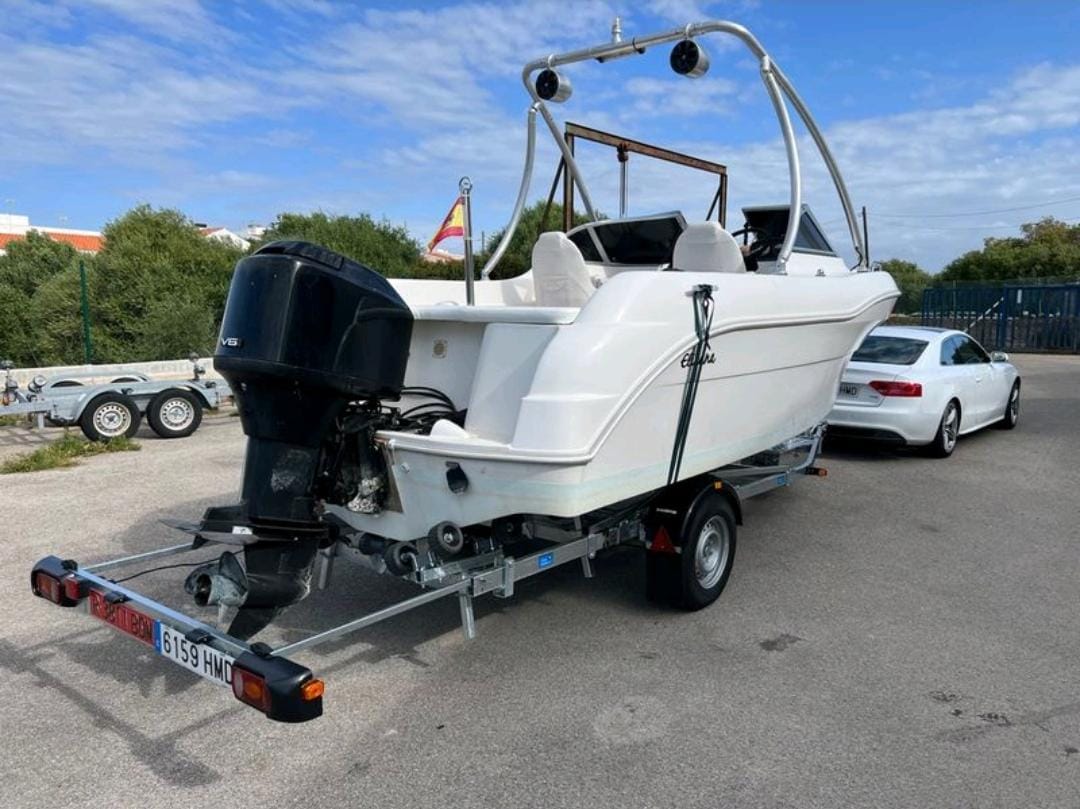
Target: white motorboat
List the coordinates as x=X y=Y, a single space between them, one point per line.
x=639 y=382
x=636 y=353
x=572 y=376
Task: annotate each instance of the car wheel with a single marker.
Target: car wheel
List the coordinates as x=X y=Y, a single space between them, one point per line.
x=948 y=431
x=174 y=413
x=110 y=416
x=1012 y=409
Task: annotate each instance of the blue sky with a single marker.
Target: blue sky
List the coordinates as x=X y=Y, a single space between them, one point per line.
x=942 y=115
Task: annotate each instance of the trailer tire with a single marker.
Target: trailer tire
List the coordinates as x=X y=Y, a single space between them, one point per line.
x=694 y=577
x=174 y=413
x=109 y=416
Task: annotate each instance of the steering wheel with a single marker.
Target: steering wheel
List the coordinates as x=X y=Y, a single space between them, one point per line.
x=763 y=242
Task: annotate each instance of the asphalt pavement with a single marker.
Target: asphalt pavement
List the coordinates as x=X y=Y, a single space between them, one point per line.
x=902 y=633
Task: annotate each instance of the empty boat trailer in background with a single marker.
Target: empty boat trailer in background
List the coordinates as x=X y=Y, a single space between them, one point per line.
x=633 y=387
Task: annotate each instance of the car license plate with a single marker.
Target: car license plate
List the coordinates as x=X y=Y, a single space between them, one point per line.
x=123 y=617
x=848 y=389
x=195 y=657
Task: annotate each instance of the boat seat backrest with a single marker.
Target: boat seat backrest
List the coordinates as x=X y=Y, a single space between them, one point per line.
x=559 y=272
x=707 y=247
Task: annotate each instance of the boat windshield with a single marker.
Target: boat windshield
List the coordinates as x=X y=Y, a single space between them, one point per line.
x=648 y=240
x=772 y=221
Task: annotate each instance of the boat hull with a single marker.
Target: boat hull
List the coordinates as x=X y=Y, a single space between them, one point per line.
x=592 y=419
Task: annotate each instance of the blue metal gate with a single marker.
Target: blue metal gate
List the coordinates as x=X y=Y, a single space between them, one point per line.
x=1009 y=317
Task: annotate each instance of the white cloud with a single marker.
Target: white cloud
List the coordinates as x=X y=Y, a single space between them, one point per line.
x=172 y=19
x=114 y=93
x=440 y=91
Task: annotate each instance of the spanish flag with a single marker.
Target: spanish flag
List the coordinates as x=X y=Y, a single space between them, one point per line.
x=453 y=225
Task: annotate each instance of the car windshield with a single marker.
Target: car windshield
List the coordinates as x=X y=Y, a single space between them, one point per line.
x=890 y=350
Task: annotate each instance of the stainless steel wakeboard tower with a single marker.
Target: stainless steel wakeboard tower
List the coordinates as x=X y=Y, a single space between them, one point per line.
x=688 y=58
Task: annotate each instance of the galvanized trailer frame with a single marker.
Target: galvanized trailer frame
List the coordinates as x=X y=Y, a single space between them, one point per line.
x=493 y=571
x=62 y=399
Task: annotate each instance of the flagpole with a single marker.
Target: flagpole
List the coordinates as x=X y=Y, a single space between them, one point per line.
x=465 y=186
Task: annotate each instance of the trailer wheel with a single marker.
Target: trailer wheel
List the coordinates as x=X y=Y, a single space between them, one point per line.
x=694 y=577
x=174 y=413
x=110 y=415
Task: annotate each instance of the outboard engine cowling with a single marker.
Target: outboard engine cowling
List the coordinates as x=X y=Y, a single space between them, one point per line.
x=305 y=332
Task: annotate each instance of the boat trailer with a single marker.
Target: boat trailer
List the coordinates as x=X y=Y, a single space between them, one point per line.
x=267 y=679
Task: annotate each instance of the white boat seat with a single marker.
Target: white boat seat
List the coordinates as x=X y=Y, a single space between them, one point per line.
x=559 y=272
x=707 y=247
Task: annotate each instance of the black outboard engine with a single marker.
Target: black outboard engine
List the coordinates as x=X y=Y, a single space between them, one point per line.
x=307 y=335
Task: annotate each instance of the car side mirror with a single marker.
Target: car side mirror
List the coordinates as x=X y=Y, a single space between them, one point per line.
x=998 y=356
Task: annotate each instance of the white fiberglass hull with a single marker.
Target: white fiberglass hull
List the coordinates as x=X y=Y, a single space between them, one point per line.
x=572 y=411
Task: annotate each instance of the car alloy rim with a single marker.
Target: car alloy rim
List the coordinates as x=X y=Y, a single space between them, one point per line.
x=949 y=427
x=177 y=413
x=1014 y=404
x=112 y=420
x=711 y=552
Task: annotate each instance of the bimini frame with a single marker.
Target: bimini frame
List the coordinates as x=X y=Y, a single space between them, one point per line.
x=776 y=83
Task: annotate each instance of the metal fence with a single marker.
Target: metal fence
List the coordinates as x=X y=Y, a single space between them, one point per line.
x=1010 y=316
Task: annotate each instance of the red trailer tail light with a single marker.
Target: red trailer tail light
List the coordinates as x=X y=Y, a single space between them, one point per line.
x=74 y=589
x=283 y=690
x=48 y=588
x=251 y=689
x=53 y=579
x=897 y=388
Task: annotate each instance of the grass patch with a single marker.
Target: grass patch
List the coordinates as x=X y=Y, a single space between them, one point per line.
x=63 y=452
x=12 y=421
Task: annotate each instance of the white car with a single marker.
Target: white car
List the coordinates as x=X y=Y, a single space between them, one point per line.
x=919 y=386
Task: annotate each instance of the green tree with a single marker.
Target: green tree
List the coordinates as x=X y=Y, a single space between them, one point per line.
x=518 y=256
x=1048 y=248
x=911 y=280
x=158 y=287
x=56 y=315
x=29 y=265
x=382 y=246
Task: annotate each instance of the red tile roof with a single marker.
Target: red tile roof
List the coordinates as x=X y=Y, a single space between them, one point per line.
x=86 y=243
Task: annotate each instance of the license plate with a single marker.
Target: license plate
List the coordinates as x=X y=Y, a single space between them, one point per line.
x=195 y=657
x=847 y=389
x=123 y=617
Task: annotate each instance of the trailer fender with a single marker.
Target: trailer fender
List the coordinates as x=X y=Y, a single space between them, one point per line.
x=672 y=510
